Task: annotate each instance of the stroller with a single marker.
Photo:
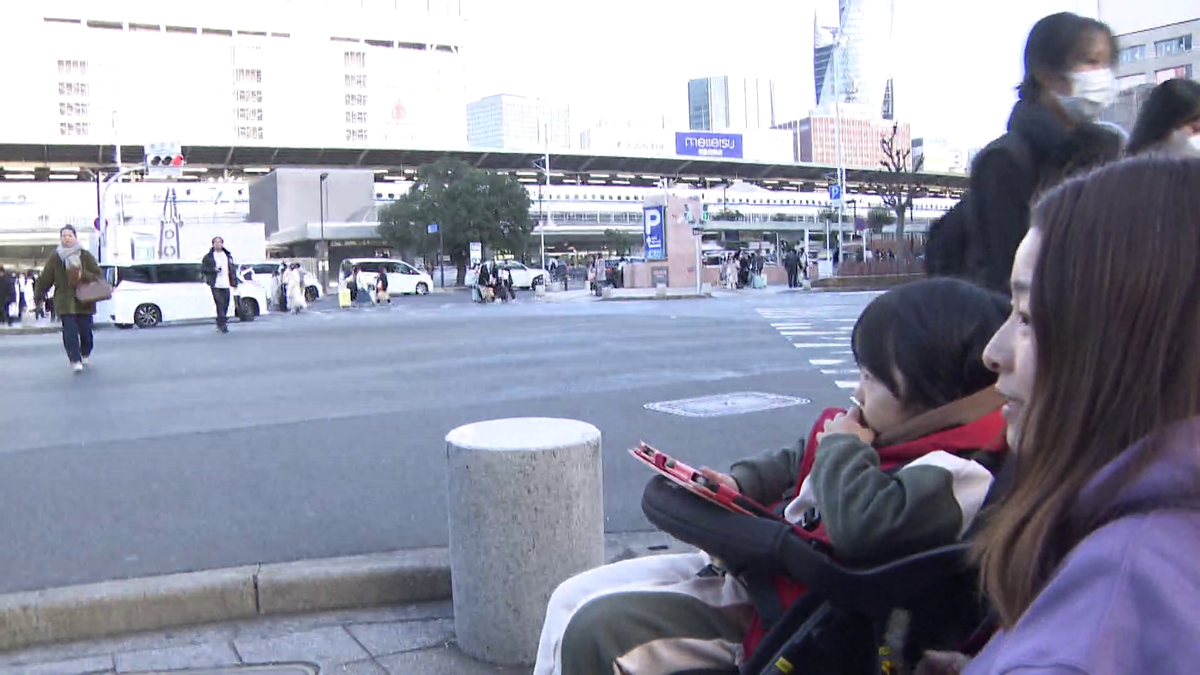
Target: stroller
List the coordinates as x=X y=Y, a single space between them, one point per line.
x=852 y=620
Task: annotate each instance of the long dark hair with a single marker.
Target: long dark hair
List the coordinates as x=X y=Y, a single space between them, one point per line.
x=1170 y=105
x=1053 y=46
x=1115 y=309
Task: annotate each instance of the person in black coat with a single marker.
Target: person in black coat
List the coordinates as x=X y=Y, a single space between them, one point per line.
x=8 y=295
x=1069 y=80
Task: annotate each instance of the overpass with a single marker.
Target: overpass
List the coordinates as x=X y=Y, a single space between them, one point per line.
x=85 y=161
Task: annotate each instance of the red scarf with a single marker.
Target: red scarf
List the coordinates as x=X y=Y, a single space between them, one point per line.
x=985 y=433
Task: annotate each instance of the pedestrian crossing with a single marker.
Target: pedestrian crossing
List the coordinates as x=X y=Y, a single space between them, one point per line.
x=823 y=339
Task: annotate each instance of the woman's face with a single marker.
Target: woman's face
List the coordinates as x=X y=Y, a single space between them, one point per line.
x=67 y=238
x=881 y=410
x=1012 y=353
x=1094 y=54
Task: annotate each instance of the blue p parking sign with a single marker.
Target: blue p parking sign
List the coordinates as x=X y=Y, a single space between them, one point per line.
x=835 y=192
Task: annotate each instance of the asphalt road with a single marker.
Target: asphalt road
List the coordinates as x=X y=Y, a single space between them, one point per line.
x=323 y=434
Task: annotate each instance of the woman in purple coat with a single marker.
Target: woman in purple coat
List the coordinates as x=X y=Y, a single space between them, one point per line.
x=1090 y=560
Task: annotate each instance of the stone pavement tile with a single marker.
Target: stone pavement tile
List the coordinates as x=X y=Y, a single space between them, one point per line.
x=444 y=661
x=159 y=640
x=403 y=636
x=92 y=664
x=356 y=668
x=208 y=655
x=255 y=629
x=324 y=646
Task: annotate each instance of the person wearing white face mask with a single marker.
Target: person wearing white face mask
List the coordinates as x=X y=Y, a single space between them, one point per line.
x=1169 y=120
x=1052 y=134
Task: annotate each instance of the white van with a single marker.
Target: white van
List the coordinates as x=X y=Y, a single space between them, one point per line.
x=148 y=294
x=403 y=279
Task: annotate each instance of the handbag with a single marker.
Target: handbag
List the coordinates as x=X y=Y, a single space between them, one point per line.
x=93 y=291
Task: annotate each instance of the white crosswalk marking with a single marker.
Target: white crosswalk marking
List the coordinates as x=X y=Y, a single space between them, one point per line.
x=826 y=338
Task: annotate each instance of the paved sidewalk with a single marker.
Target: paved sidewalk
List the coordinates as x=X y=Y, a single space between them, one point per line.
x=405 y=640
x=412 y=639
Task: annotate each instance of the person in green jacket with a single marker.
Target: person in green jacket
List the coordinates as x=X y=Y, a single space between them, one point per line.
x=66 y=268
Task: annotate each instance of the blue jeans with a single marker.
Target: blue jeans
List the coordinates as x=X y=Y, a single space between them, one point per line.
x=77 y=335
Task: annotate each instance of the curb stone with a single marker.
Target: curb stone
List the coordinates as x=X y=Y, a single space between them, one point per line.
x=112 y=608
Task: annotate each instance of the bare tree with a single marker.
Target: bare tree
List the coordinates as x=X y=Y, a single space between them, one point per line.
x=901 y=183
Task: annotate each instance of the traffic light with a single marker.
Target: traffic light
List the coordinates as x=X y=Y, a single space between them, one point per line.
x=705 y=212
x=164 y=159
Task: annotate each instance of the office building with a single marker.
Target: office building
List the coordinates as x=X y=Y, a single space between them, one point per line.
x=938 y=155
x=730 y=102
x=507 y=122
x=1155 y=44
x=269 y=73
x=817 y=136
x=858 y=73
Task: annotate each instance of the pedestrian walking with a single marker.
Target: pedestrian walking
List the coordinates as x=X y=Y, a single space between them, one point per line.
x=294 y=280
x=8 y=297
x=381 y=289
x=66 y=268
x=217 y=267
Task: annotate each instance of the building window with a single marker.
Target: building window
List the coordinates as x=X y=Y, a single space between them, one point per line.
x=356 y=134
x=74 y=129
x=249 y=96
x=73 y=109
x=359 y=100
x=1183 y=72
x=1177 y=45
x=251 y=133
x=355 y=59
x=1133 y=54
x=78 y=89
x=356 y=117
x=249 y=114
x=72 y=68
x=1131 y=81
x=248 y=76
x=356 y=81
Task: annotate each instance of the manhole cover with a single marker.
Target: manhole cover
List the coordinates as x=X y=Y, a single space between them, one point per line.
x=295 y=669
x=719 y=405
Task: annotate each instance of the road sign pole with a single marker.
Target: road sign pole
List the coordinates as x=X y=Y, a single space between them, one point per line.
x=441 y=258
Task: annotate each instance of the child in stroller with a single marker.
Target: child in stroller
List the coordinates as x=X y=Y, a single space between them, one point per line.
x=904 y=472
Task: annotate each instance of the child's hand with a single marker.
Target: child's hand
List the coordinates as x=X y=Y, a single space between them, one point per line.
x=849 y=422
x=720 y=478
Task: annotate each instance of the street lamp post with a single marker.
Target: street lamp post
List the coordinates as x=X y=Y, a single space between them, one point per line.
x=839 y=42
x=323 y=259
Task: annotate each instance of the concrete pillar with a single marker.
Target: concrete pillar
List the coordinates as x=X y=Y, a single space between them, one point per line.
x=526 y=512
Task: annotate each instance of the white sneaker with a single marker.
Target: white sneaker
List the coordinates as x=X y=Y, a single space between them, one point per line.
x=86 y=361
x=77 y=367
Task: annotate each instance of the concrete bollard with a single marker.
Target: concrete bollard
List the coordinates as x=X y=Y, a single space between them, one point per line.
x=526 y=512
x=540 y=290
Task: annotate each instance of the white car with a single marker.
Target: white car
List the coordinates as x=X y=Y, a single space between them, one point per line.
x=403 y=279
x=262 y=274
x=522 y=275
x=151 y=293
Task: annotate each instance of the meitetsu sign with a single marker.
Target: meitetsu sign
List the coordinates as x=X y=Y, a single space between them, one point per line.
x=708 y=144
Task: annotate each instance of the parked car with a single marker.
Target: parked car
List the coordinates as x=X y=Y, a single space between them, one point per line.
x=262 y=274
x=523 y=276
x=151 y=293
x=403 y=279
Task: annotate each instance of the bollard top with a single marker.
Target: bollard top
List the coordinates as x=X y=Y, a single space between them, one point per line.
x=523 y=434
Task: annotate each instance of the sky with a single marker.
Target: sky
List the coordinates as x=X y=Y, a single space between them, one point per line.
x=956 y=62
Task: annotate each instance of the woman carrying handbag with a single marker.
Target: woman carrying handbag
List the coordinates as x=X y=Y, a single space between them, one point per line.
x=78 y=285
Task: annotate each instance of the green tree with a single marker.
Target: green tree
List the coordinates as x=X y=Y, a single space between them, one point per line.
x=467 y=204
x=620 y=243
x=879 y=218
